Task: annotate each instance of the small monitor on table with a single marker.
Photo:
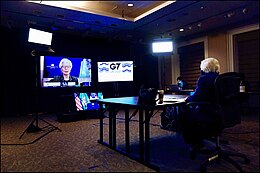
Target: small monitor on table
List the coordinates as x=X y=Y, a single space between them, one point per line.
x=83 y=100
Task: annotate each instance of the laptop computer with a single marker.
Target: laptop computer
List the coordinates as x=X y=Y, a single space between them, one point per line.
x=174 y=87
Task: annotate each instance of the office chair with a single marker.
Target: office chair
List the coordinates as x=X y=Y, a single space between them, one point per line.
x=227 y=110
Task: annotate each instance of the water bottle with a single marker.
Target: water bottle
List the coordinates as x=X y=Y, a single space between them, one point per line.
x=242 y=87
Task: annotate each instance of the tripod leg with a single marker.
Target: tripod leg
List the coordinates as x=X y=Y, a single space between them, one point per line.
x=30 y=125
x=35 y=128
x=55 y=127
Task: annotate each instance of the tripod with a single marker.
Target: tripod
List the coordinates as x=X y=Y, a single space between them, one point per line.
x=35 y=128
x=34 y=125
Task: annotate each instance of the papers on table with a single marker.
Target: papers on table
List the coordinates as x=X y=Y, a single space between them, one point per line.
x=174 y=98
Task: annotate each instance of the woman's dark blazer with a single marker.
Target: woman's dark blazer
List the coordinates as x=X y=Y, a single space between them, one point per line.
x=204 y=91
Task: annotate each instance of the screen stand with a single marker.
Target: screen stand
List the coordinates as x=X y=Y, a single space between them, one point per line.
x=163 y=74
x=34 y=125
x=116 y=89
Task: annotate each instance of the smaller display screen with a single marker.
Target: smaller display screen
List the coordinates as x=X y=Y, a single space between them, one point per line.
x=115 y=71
x=83 y=100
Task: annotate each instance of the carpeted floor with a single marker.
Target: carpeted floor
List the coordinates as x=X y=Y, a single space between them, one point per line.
x=75 y=147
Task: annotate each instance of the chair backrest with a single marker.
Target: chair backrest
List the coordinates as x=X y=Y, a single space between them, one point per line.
x=227 y=91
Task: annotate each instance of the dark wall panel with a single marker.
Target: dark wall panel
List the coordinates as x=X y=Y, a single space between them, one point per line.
x=248 y=58
x=190 y=59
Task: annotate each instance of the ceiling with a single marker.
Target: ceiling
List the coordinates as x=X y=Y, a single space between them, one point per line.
x=145 y=21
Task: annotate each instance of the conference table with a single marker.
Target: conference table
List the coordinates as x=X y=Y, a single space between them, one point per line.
x=113 y=105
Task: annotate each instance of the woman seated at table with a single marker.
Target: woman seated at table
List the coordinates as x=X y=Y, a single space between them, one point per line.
x=204 y=92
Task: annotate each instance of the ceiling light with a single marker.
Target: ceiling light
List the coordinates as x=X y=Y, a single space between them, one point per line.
x=77 y=21
x=37 y=12
x=199 y=25
x=31 y=22
x=130 y=4
x=181 y=30
x=245 y=10
x=171 y=20
x=230 y=14
x=60 y=15
x=190 y=27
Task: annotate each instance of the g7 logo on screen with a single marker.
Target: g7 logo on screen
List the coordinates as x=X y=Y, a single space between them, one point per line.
x=114 y=66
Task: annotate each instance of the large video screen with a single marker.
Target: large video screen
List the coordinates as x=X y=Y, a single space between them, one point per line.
x=83 y=100
x=61 y=71
x=115 y=71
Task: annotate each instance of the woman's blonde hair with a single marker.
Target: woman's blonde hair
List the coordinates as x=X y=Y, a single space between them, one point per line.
x=210 y=65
